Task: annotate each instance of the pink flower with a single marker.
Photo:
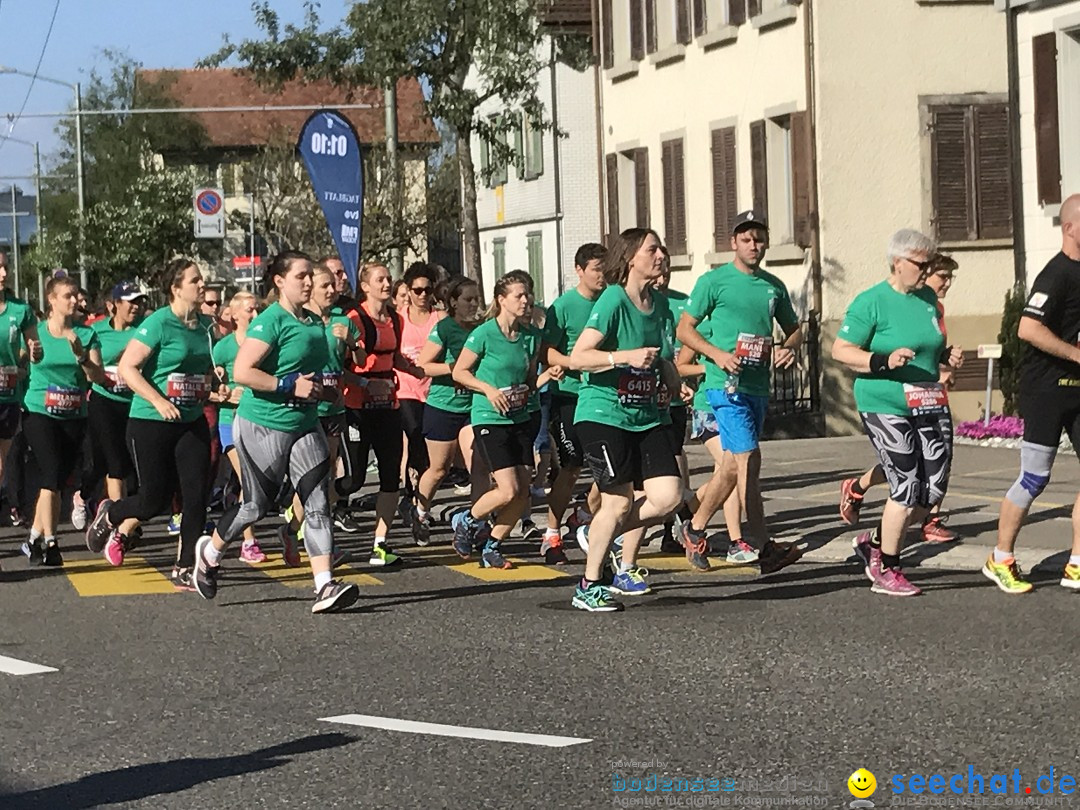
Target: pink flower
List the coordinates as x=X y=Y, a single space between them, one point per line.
x=1000 y=427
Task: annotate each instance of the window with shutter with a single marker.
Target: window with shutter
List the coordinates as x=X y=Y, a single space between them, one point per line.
x=534 y=245
x=607 y=34
x=682 y=21
x=1047 y=135
x=612 y=166
x=637 y=30
x=759 y=172
x=800 y=178
x=753 y=8
x=953 y=218
x=725 y=193
x=736 y=12
x=650 y=26
x=498 y=254
x=993 y=187
x=641 y=186
x=701 y=24
x=674 y=196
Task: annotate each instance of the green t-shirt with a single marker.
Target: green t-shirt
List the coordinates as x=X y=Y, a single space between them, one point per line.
x=505 y=364
x=625 y=397
x=444 y=393
x=742 y=307
x=225 y=356
x=296 y=347
x=17 y=317
x=331 y=373
x=58 y=385
x=701 y=401
x=883 y=320
x=113 y=342
x=676 y=303
x=566 y=318
x=179 y=365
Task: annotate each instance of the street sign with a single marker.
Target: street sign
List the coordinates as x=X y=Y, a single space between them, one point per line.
x=989 y=351
x=209 y=208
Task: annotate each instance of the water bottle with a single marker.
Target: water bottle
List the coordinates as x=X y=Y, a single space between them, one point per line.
x=731 y=384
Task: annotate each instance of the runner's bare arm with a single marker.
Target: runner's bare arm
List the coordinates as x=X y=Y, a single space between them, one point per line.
x=784 y=356
x=130 y=370
x=463 y=376
x=33 y=343
x=857 y=358
x=1041 y=337
x=688 y=335
x=687 y=363
x=587 y=356
x=429 y=360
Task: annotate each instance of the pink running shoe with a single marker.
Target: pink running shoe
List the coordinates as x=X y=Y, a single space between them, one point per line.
x=868 y=555
x=251 y=553
x=114 y=549
x=892 y=582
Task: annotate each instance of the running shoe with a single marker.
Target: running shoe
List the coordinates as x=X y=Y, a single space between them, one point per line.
x=741 y=553
x=462 y=489
x=79 y=513
x=338 y=556
x=777 y=556
x=464 y=534
x=344 y=521
x=695 y=545
x=1071 y=577
x=421 y=529
x=595 y=599
x=850 y=501
x=251 y=553
x=205 y=575
x=182 y=580
x=578 y=517
x=53 y=557
x=99 y=530
x=934 y=531
x=551 y=549
x=383 y=556
x=582 y=537
x=492 y=556
x=174 y=525
x=869 y=555
x=335 y=595
x=34 y=550
x=15 y=516
x=290 y=550
x=630 y=583
x=115 y=548
x=892 y=582
x=1006 y=575
x=537 y=493
x=530 y=532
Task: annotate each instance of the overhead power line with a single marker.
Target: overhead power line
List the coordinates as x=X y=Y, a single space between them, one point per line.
x=37 y=67
x=166 y=110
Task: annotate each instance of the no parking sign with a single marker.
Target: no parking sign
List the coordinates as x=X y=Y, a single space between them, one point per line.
x=209 y=213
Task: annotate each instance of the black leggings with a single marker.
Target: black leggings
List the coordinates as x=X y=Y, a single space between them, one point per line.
x=378 y=430
x=167 y=454
x=108 y=442
x=55 y=445
x=412 y=423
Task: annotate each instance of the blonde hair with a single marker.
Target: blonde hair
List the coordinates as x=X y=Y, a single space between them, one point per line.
x=502 y=288
x=241 y=295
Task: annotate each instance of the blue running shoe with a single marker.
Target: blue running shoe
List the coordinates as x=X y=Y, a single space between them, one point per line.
x=493 y=558
x=631 y=583
x=464 y=534
x=174 y=526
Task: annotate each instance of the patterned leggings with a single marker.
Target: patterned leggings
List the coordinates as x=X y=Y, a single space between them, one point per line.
x=915 y=453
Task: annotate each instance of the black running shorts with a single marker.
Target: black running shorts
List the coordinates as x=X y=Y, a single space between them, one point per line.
x=564 y=432
x=505 y=446
x=618 y=457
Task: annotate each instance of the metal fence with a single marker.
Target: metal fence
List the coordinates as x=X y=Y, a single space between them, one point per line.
x=796 y=390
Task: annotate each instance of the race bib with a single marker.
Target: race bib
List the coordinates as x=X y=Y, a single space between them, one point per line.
x=186 y=389
x=663 y=397
x=518 y=397
x=381 y=401
x=331 y=379
x=9 y=379
x=926 y=399
x=637 y=387
x=753 y=351
x=114 y=382
x=63 y=401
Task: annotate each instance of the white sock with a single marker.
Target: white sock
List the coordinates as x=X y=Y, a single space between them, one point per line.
x=1074 y=559
x=624 y=566
x=213 y=556
x=380 y=541
x=34 y=535
x=421 y=513
x=1002 y=556
x=321 y=579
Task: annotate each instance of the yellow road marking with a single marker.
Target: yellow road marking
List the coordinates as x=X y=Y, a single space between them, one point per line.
x=522 y=571
x=134 y=578
x=674 y=563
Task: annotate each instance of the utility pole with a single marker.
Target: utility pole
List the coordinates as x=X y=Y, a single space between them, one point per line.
x=37 y=192
x=390 y=98
x=15 y=239
x=79 y=179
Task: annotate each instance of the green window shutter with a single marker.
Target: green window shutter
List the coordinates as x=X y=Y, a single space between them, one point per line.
x=536 y=261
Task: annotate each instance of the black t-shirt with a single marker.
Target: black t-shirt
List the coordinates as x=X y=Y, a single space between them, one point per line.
x=1055 y=303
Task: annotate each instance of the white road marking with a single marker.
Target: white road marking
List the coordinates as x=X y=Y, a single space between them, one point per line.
x=13 y=666
x=413 y=727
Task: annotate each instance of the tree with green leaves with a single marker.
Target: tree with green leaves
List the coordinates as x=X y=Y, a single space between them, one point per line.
x=446 y=44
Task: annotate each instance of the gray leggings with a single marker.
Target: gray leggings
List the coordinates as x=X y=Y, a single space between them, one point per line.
x=266 y=457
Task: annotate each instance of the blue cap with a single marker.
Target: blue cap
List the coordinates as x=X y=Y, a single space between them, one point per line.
x=126 y=291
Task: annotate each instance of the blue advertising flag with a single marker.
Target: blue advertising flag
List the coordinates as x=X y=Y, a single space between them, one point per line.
x=331 y=151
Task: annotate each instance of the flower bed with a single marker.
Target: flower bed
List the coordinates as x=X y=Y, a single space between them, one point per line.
x=1000 y=427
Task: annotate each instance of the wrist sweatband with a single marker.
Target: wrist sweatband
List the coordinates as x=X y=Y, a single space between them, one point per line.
x=286 y=384
x=946 y=354
x=879 y=363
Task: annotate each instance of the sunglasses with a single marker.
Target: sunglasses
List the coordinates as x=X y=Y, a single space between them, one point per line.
x=923 y=266
x=212 y=303
x=420 y=290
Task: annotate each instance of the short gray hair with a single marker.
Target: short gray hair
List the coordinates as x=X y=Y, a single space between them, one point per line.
x=907 y=241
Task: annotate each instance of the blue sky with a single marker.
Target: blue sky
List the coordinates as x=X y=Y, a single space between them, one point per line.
x=157 y=33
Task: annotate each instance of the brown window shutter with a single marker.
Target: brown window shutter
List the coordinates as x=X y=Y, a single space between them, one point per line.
x=682 y=21
x=700 y=23
x=759 y=172
x=650 y=26
x=753 y=8
x=641 y=186
x=800 y=177
x=725 y=193
x=667 y=168
x=612 y=162
x=637 y=30
x=954 y=215
x=677 y=244
x=736 y=12
x=608 y=39
x=993 y=186
x=1047 y=136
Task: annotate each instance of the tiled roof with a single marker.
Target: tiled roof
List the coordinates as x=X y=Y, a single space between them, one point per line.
x=234 y=88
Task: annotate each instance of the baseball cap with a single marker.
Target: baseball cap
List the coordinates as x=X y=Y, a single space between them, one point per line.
x=126 y=291
x=748 y=219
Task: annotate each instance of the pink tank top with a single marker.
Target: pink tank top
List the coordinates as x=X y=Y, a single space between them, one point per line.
x=413 y=338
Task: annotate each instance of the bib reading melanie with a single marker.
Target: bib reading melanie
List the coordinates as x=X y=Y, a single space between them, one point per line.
x=63 y=401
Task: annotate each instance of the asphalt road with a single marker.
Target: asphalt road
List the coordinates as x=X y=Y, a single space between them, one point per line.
x=770 y=692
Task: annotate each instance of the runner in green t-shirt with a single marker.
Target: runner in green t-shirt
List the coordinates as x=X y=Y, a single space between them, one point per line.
x=448 y=405
x=566 y=319
x=618 y=418
x=498 y=363
x=278 y=434
x=55 y=403
x=892 y=338
x=743 y=301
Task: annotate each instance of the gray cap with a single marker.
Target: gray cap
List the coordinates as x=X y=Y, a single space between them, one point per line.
x=748 y=219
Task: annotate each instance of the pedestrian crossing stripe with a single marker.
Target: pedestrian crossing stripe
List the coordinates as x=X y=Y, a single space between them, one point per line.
x=300 y=577
x=134 y=578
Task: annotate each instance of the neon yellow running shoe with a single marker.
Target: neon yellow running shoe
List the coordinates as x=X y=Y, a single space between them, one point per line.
x=1071 y=578
x=1008 y=576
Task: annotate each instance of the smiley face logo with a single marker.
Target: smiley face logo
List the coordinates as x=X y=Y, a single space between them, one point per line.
x=862 y=784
